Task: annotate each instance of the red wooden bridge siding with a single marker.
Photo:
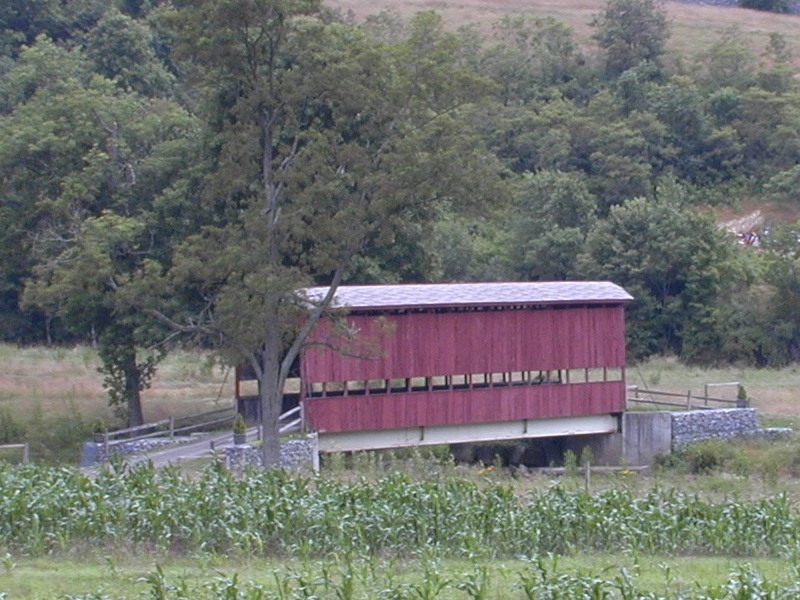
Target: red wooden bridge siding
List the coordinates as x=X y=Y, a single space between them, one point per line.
x=407 y=342
x=458 y=343
x=458 y=407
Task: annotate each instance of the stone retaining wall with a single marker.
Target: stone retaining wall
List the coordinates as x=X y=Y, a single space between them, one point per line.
x=95 y=452
x=696 y=425
x=295 y=454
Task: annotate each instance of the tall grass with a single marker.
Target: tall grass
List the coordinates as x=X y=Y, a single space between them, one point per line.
x=49 y=397
x=275 y=514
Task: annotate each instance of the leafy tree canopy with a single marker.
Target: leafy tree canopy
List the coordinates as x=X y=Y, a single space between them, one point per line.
x=630 y=32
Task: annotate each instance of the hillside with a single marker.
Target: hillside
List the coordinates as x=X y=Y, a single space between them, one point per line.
x=695 y=26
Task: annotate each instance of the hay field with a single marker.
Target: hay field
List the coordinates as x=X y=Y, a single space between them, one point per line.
x=694 y=26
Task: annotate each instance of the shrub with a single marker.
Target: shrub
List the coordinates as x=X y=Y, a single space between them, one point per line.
x=11 y=432
x=778 y=6
x=703 y=458
x=239 y=426
x=708 y=456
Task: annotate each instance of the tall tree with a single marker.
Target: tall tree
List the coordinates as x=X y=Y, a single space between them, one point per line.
x=529 y=56
x=121 y=49
x=670 y=260
x=630 y=32
x=22 y=21
x=552 y=214
x=87 y=174
x=327 y=139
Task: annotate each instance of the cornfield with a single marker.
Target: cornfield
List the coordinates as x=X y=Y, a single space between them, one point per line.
x=276 y=514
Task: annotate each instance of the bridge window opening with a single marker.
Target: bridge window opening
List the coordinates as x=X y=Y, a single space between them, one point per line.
x=479 y=380
x=377 y=386
x=336 y=388
x=247 y=388
x=440 y=382
x=403 y=385
x=576 y=376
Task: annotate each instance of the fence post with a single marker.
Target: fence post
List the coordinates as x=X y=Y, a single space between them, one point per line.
x=314 y=443
x=689 y=400
x=171 y=427
x=26 y=453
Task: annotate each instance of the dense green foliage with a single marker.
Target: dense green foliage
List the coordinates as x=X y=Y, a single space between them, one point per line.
x=274 y=513
x=200 y=161
x=779 y=6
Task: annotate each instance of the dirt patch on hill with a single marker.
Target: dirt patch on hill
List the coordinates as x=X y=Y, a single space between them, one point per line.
x=752 y=216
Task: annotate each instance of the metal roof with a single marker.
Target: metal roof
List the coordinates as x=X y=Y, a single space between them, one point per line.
x=435 y=295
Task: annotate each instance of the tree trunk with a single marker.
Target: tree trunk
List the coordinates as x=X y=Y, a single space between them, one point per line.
x=133 y=388
x=271 y=392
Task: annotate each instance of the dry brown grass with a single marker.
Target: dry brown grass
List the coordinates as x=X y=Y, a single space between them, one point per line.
x=62 y=380
x=694 y=27
x=773 y=391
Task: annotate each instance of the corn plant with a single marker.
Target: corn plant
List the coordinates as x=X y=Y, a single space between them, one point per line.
x=273 y=513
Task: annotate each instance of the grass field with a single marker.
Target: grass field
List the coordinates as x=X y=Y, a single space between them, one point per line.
x=210 y=576
x=61 y=380
x=694 y=27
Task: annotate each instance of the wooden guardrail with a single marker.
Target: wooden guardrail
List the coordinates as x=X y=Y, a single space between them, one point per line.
x=170 y=427
x=290 y=421
x=687 y=401
x=25 y=447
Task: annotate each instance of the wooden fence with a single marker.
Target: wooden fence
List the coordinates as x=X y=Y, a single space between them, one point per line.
x=26 y=451
x=214 y=419
x=685 y=401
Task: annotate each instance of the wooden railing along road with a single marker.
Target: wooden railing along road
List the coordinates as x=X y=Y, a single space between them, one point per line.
x=170 y=427
x=24 y=447
x=289 y=422
x=686 y=401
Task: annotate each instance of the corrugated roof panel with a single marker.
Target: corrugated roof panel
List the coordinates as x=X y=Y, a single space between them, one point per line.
x=431 y=295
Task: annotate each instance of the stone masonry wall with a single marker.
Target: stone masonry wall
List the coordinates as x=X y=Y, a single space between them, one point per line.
x=95 y=452
x=295 y=454
x=696 y=425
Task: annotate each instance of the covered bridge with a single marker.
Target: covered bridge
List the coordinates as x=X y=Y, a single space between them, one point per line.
x=410 y=365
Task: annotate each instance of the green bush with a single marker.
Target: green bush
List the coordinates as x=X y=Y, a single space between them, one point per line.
x=704 y=457
x=778 y=6
x=239 y=426
x=57 y=439
x=11 y=432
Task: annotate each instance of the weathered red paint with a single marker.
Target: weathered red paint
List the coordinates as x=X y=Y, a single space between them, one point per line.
x=410 y=342
x=457 y=407
x=440 y=343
